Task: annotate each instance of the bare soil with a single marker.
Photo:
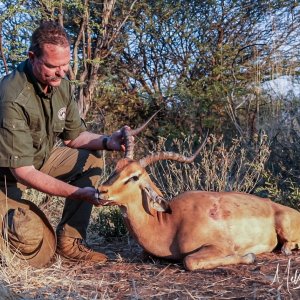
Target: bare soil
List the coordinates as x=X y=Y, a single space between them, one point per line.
x=130 y=275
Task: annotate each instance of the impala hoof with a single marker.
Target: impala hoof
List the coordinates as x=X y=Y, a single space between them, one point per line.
x=249 y=258
x=286 y=251
x=190 y=264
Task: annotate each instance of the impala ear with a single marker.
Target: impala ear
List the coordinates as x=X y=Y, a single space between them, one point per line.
x=160 y=204
x=155 y=201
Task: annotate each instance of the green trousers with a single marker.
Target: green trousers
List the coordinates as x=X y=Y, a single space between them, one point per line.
x=79 y=167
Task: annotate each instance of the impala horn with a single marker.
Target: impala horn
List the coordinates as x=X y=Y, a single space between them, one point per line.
x=128 y=135
x=150 y=159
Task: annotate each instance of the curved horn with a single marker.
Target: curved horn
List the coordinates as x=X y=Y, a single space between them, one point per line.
x=129 y=142
x=129 y=133
x=150 y=159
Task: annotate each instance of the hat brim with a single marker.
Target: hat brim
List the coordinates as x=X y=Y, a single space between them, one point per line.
x=46 y=251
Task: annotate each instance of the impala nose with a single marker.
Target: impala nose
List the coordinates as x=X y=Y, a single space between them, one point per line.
x=103 y=194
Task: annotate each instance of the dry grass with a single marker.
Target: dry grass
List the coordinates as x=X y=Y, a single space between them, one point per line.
x=221 y=168
x=55 y=282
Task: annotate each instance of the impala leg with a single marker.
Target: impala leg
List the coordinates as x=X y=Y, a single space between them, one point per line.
x=289 y=246
x=209 y=257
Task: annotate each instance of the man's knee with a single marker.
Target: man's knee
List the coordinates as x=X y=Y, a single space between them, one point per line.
x=26 y=232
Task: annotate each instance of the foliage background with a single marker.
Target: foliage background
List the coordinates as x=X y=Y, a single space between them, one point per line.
x=206 y=64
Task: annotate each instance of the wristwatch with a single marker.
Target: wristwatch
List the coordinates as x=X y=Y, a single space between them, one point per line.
x=104 y=143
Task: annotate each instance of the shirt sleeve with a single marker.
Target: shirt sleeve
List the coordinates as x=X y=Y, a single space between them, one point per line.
x=16 y=145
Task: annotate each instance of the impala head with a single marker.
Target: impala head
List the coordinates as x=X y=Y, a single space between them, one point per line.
x=130 y=180
x=128 y=183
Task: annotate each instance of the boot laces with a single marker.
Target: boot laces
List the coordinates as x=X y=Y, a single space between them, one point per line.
x=82 y=245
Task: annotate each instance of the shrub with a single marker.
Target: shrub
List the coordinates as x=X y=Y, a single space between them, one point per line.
x=219 y=167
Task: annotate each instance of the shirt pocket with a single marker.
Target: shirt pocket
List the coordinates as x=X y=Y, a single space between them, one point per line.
x=12 y=133
x=13 y=125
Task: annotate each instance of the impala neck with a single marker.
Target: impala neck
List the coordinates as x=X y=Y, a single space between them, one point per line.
x=149 y=230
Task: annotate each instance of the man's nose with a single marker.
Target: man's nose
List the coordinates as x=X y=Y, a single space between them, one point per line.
x=60 y=72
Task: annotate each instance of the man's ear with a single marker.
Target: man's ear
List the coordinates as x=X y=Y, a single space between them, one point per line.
x=31 y=56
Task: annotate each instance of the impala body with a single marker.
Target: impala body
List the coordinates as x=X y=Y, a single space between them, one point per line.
x=204 y=229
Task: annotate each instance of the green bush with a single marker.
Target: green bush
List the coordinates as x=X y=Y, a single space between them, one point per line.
x=109 y=223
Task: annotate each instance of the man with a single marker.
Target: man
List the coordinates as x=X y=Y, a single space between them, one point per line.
x=36 y=107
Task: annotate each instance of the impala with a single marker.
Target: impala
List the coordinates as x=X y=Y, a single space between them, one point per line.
x=203 y=229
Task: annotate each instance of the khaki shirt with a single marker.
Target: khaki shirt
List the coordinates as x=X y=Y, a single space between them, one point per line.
x=30 y=121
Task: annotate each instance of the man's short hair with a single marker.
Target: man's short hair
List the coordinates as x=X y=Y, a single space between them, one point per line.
x=49 y=32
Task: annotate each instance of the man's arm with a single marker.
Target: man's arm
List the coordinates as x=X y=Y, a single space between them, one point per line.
x=33 y=178
x=93 y=141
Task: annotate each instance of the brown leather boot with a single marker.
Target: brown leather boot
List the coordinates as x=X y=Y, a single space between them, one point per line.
x=76 y=249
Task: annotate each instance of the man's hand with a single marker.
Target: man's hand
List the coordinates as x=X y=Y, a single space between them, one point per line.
x=116 y=140
x=87 y=194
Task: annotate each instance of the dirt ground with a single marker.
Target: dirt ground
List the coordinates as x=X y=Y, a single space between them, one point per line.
x=130 y=275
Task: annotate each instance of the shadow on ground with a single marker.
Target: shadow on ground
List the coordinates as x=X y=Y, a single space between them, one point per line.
x=130 y=275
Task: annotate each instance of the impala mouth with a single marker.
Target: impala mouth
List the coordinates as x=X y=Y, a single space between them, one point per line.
x=102 y=198
x=104 y=202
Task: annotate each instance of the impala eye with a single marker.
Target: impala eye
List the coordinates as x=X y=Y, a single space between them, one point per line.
x=135 y=178
x=132 y=178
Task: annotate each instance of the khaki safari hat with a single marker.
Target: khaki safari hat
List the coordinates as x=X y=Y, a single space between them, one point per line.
x=27 y=232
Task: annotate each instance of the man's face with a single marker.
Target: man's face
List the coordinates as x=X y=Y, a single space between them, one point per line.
x=51 y=66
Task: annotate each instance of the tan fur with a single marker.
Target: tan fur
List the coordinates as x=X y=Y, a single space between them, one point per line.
x=204 y=229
